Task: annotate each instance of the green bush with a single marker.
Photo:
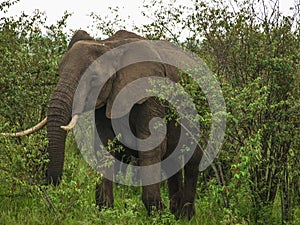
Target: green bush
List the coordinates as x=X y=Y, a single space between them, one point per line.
x=254 y=180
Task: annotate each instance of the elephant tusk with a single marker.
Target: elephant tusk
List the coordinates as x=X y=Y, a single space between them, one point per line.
x=71 y=125
x=31 y=130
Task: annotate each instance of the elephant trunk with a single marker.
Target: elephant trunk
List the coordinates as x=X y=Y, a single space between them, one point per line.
x=59 y=114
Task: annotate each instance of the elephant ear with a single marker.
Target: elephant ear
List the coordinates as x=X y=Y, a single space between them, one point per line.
x=131 y=67
x=79 y=36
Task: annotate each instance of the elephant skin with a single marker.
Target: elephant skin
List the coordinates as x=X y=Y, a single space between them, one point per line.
x=82 y=51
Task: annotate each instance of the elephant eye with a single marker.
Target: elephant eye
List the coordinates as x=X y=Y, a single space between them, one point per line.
x=93 y=78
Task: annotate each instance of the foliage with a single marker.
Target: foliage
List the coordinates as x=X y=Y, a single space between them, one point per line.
x=254 y=51
x=260 y=74
x=29 y=67
x=29 y=73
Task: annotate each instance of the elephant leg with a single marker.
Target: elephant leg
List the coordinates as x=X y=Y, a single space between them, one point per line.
x=104 y=194
x=104 y=190
x=149 y=161
x=191 y=172
x=175 y=191
x=151 y=193
x=127 y=155
x=175 y=182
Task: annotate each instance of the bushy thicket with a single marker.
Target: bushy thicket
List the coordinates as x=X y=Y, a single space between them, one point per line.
x=30 y=54
x=251 y=47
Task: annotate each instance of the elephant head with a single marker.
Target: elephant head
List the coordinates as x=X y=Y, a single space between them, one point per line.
x=112 y=73
x=83 y=50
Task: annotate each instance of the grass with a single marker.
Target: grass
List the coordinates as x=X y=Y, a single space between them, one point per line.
x=73 y=202
x=80 y=209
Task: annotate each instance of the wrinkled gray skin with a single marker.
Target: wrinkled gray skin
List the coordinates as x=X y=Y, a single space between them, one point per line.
x=82 y=51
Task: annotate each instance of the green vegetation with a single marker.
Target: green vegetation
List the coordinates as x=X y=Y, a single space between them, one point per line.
x=255 y=56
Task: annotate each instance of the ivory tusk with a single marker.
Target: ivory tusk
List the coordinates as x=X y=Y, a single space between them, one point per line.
x=31 y=130
x=71 y=125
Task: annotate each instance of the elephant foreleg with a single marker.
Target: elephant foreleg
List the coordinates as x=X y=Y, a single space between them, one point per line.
x=104 y=194
x=149 y=161
x=150 y=172
x=104 y=190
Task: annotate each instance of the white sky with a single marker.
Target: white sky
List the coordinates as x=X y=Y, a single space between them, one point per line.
x=81 y=9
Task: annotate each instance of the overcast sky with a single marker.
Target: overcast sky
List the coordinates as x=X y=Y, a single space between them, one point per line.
x=81 y=9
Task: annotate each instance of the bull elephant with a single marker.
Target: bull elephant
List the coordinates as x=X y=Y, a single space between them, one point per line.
x=82 y=51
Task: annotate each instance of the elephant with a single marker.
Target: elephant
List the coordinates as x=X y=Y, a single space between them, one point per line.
x=82 y=51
